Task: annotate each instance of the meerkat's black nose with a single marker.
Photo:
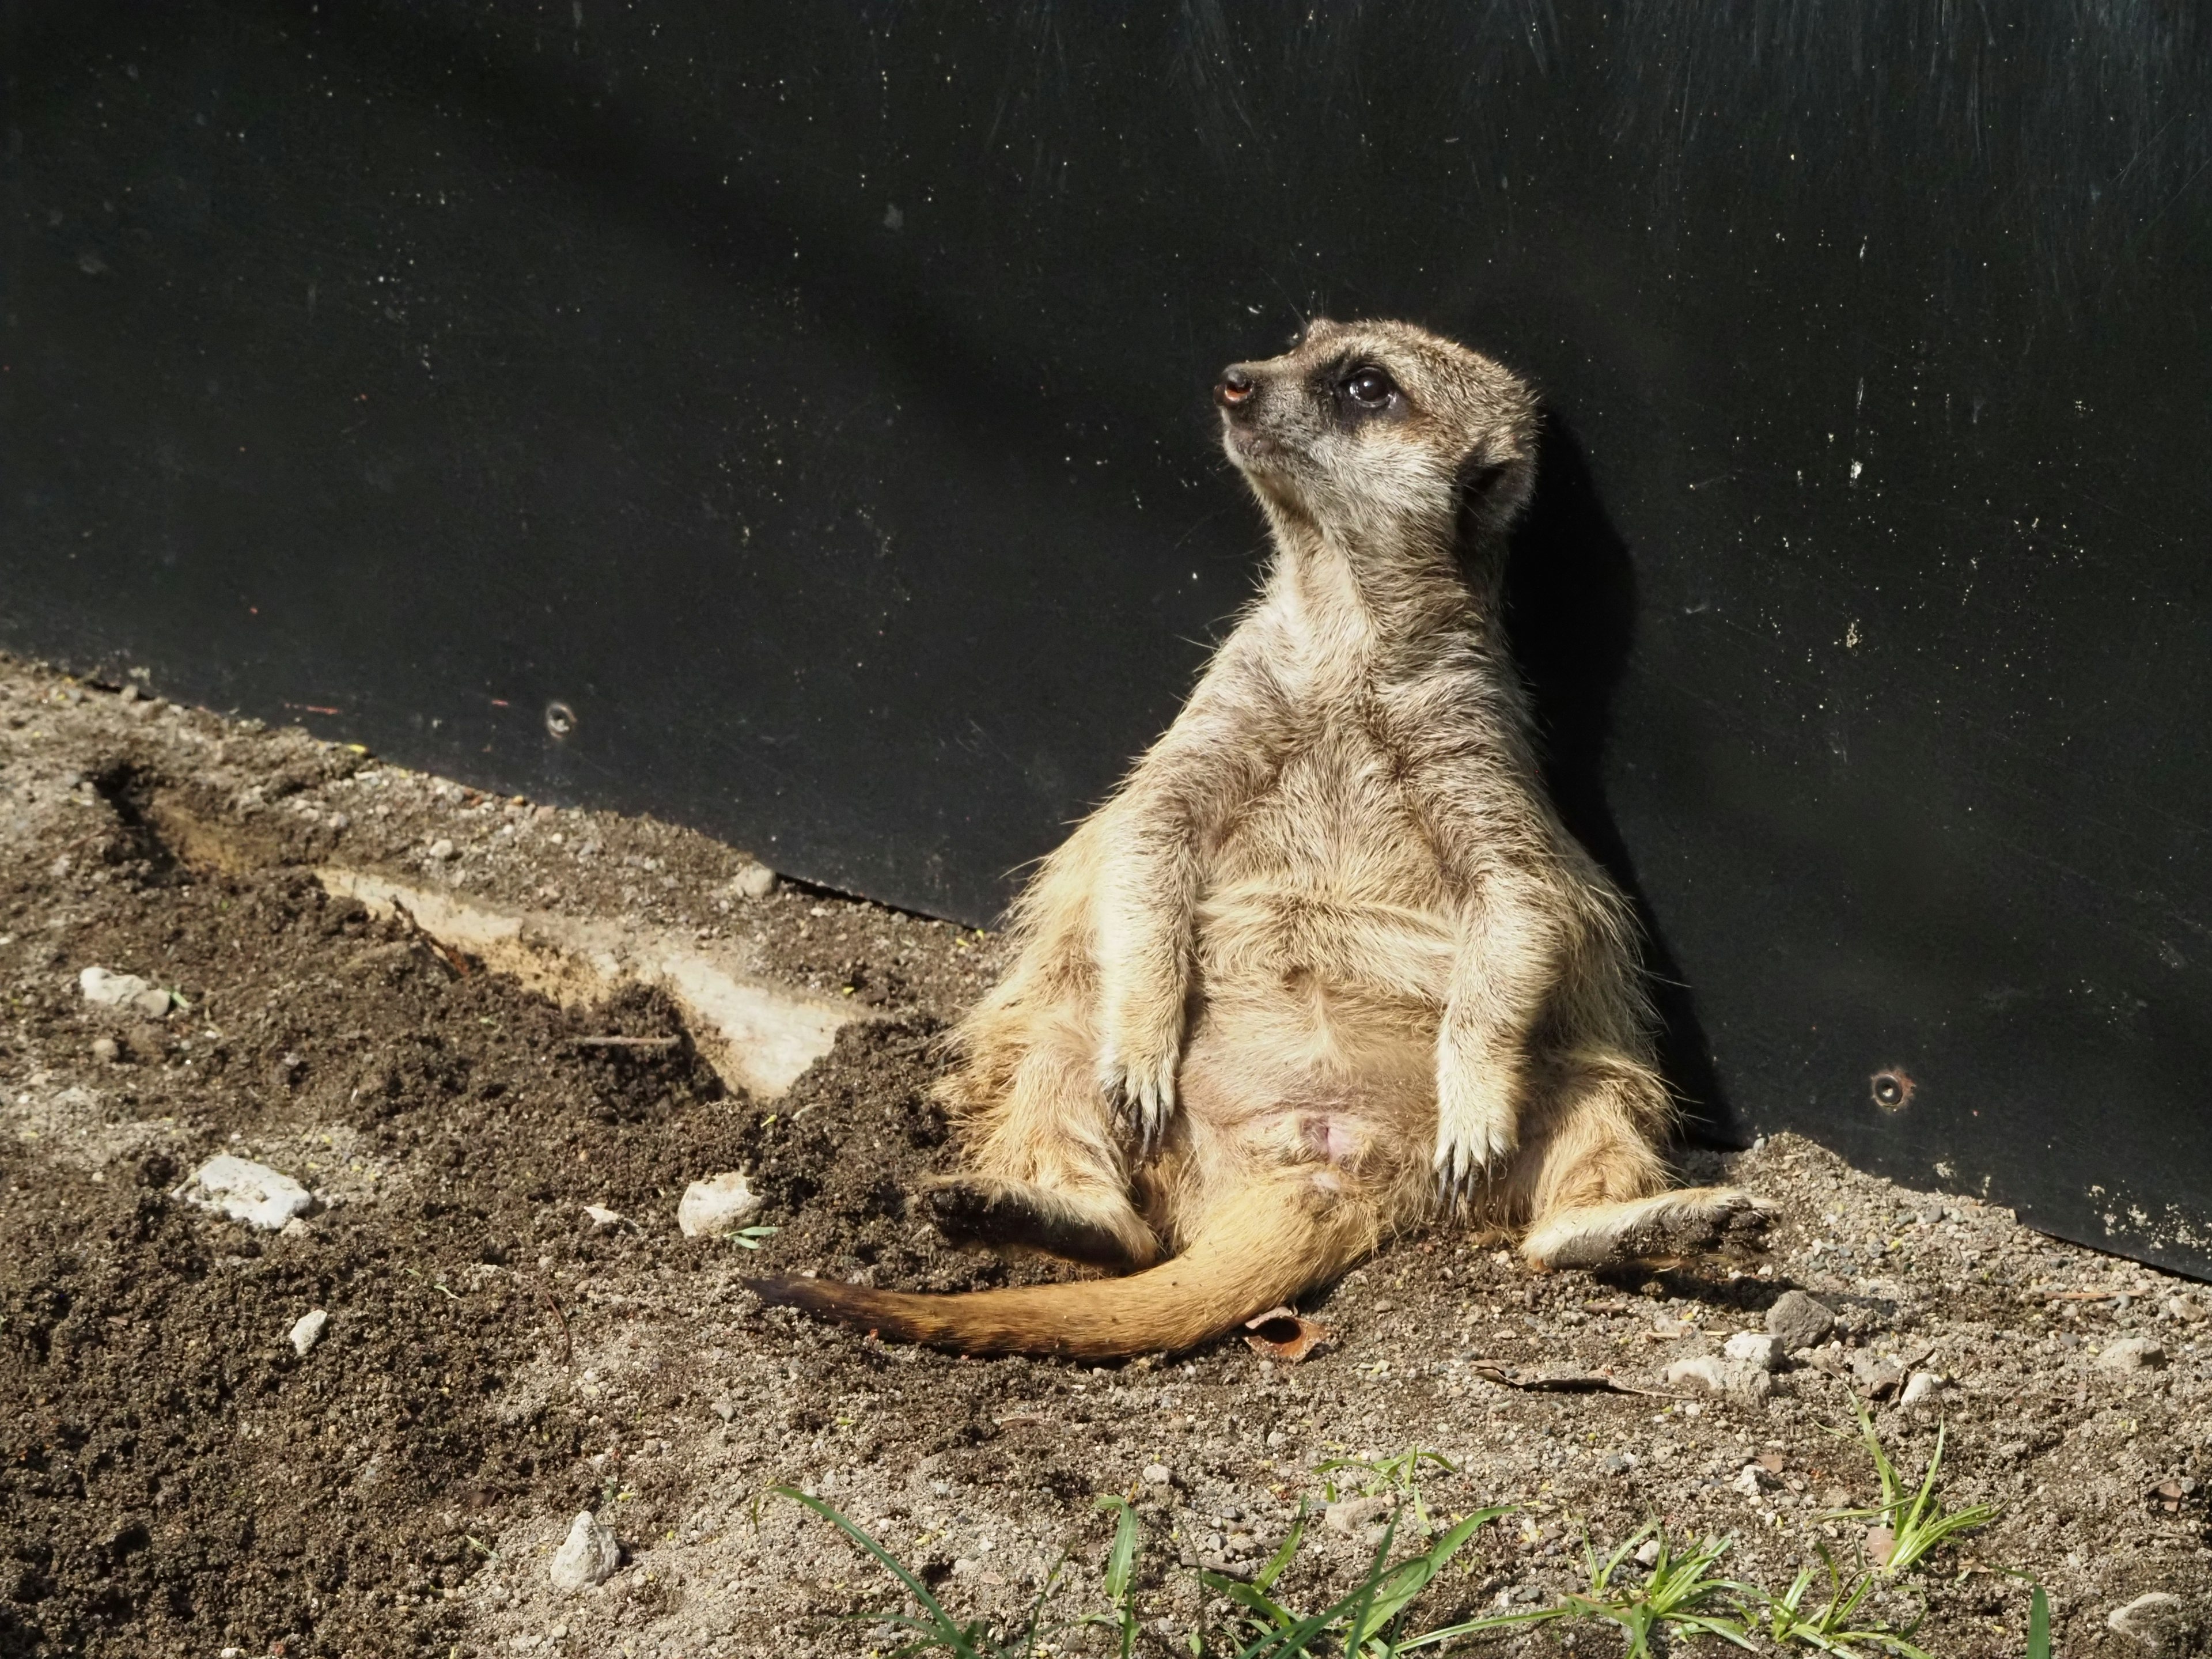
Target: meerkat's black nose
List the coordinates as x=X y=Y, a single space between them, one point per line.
x=1236 y=388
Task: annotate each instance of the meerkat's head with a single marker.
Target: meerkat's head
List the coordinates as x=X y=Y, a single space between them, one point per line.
x=1367 y=427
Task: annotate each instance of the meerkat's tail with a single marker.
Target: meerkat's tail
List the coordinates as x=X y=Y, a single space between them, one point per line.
x=1257 y=1251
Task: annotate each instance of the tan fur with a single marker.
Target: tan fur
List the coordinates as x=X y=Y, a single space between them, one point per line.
x=1327 y=964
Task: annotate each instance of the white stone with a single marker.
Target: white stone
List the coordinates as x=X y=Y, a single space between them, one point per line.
x=104 y=989
x=245 y=1191
x=1157 y=1475
x=2132 y=1353
x=586 y=1557
x=601 y=1216
x=1755 y=1348
x=307 y=1330
x=1714 y=1374
x=1921 y=1385
x=718 y=1205
x=754 y=881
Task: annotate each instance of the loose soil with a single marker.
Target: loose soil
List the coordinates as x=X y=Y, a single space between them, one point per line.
x=175 y=1479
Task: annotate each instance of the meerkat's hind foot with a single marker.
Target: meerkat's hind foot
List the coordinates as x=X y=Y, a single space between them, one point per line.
x=1664 y=1225
x=982 y=1210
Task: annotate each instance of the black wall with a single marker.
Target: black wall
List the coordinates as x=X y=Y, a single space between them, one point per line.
x=812 y=398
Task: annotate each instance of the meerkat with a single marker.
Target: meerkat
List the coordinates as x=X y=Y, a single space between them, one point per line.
x=1328 y=967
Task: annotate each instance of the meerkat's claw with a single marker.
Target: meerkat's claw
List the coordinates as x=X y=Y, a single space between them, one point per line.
x=1466 y=1154
x=1144 y=1094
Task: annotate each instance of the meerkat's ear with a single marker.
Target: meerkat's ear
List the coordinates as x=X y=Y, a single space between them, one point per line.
x=1494 y=485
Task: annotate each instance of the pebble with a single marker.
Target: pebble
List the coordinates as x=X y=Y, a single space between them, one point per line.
x=307 y=1330
x=601 y=1216
x=106 y=1050
x=104 y=989
x=2188 y=1309
x=1755 y=1348
x=2160 y=1621
x=718 y=1205
x=586 y=1557
x=1351 y=1516
x=2132 y=1353
x=439 y=850
x=1751 y=1480
x=1796 y=1321
x=1716 y=1374
x=1647 y=1552
x=1921 y=1385
x=753 y=881
x=245 y=1191
x=1159 y=1474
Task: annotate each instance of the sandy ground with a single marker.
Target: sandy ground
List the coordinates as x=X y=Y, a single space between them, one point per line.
x=177 y=1478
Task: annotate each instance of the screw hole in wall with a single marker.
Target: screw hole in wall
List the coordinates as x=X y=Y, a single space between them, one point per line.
x=560 y=719
x=1891 y=1087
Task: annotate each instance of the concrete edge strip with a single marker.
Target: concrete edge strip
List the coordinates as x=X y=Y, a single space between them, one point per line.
x=760 y=1036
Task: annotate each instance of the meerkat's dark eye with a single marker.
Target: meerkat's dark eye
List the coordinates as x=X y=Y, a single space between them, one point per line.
x=1369 y=387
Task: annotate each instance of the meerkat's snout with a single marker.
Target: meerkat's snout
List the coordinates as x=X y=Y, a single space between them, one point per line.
x=1235 y=389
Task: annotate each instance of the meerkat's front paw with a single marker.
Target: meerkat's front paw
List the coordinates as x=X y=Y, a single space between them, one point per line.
x=1144 y=1091
x=1476 y=1135
x=1138 y=1074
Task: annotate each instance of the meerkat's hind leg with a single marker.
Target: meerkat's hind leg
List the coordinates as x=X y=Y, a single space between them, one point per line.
x=1592 y=1182
x=1664 y=1225
x=991 y=1211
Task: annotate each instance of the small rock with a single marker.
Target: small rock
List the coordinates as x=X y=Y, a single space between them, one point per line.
x=1647 y=1552
x=603 y=1216
x=586 y=1557
x=2132 y=1353
x=1798 y=1321
x=753 y=881
x=1751 y=1480
x=1921 y=1385
x=2160 y=1621
x=1157 y=1475
x=307 y=1330
x=104 y=989
x=439 y=850
x=106 y=1050
x=718 y=1205
x=2188 y=1309
x=1277 y=1439
x=245 y=1191
x=1880 y=1541
x=1351 y=1516
x=1878 y=1375
x=1755 y=1348
x=1714 y=1374
x=1616 y=1463
x=726 y=1409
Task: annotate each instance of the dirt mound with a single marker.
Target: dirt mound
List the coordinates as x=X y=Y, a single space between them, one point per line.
x=177 y=1478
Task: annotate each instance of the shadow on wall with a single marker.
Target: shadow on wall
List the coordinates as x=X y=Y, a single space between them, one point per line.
x=1570 y=612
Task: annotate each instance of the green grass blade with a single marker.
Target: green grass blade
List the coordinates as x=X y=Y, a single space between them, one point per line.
x=1417 y=1572
x=947 y=1634
x=1122 y=1559
x=2038 y=1626
x=1266 y=1577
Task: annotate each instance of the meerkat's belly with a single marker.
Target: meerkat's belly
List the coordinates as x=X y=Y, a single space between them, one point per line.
x=1327 y=887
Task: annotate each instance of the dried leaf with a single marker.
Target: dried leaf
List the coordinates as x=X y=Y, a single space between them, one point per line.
x=1284 y=1333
